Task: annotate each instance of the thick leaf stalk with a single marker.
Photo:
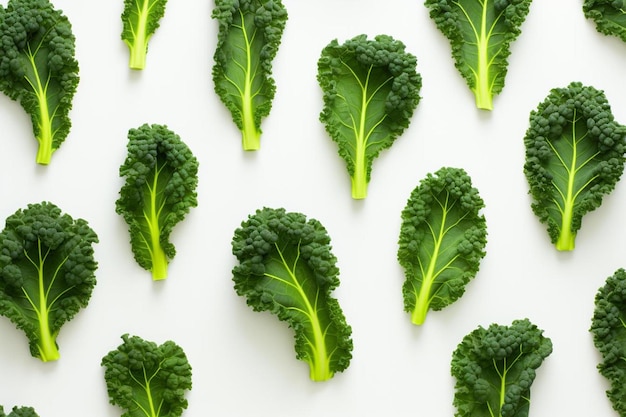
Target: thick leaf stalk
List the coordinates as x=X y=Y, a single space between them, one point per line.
x=250 y=130
x=484 y=83
x=47 y=346
x=138 y=50
x=44 y=135
x=140 y=20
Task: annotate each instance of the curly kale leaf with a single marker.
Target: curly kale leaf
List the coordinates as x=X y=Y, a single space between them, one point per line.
x=480 y=34
x=495 y=368
x=38 y=68
x=609 y=336
x=140 y=19
x=574 y=157
x=286 y=267
x=608 y=15
x=250 y=32
x=371 y=89
x=160 y=188
x=146 y=379
x=46 y=273
x=442 y=241
x=19 y=412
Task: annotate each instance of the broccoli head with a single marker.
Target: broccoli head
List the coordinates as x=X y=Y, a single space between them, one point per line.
x=146 y=379
x=38 y=68
x=46 y=273
x=160 y=188
x=495 y=368
x=574 y=157
x=609 y=336
x=286 y=267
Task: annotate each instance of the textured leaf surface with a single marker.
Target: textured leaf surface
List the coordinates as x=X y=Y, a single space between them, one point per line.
x=38 y=68
x=19 y=412
x=608 y=15
x=286 y=267
x=250 y=33
x=161 y=176
x=442 y=241
x=574 y=157
x=480 y=34
x=140 y=20
x=371 y=89
x=495 y=367
x=146 y=379
x=608 y=327
x=46 y=273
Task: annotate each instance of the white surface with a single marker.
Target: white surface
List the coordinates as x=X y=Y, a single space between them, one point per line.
x=243 y=362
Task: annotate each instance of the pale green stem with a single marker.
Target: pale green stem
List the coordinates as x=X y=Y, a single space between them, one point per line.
x=48 y=349
x=139 y=46
x=251 y=136
x=484 y=99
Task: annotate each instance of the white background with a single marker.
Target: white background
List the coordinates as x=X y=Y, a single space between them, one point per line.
x=243 y=362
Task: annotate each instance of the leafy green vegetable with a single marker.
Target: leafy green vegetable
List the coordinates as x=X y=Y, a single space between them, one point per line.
x=371 y=89
x=609 y=336
x=147 y=380
x=46 y=273
x=286 y=267
x=480 y=34
x=140 y=20
x=38 y=68
x=495 y=368
x=161 y=179
x=250 y=32
x=442 y=241
x=608 y=15
x=574 y=157
x=19 y=412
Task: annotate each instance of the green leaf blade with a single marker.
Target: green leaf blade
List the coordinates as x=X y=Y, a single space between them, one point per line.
x=495 y=367
x=609 y=16
x=286 y=268
x=42 y=72
x=442 y=240
x=146 y=379
x=161 y=177
x=574 y=157
x=609 y=336
x=369 y=98
x=480 y=34
x=140 y=20
x=48 y=276
x=249 y=35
